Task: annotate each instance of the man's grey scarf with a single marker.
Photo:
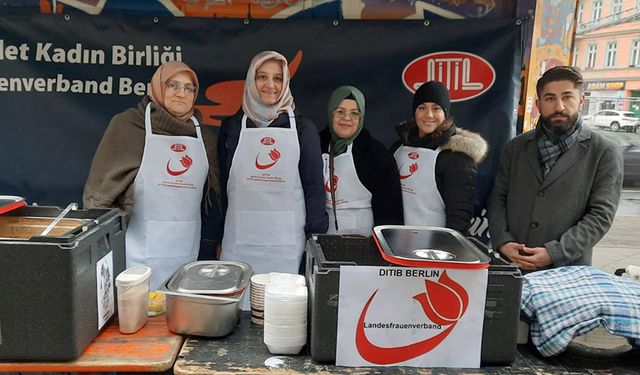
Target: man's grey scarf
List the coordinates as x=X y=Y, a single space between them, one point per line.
x=551 y=148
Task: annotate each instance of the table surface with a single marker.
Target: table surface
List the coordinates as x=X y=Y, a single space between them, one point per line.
x=152 y=348
x=244 y=352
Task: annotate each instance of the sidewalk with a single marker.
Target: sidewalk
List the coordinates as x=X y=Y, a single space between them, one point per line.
x=621 y=245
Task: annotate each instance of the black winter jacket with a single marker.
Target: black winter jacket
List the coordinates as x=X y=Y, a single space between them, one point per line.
x=456 y=168
x=309 y=166
x=376 y=168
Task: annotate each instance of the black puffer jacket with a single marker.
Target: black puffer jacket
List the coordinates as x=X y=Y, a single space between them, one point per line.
x=456 y=168
x=377 y=170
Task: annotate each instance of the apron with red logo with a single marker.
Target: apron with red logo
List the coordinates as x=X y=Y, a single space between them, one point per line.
x=353 y=200
x=164 y=227
x=421 y=200
x=265 y=219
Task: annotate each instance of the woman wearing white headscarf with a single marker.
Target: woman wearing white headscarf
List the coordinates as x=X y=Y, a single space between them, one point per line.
x=271 y=172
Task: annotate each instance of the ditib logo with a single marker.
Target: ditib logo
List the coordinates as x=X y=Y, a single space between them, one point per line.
x=178 y=147
x=267 y=141
x=466 y=75
x=413 y=155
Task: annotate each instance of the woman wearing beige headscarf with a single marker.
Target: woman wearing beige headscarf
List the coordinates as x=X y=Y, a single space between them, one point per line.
x=271 y=172
x=159 y=166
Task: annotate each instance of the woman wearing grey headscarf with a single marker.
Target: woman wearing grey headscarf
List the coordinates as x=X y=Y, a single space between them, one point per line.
x=271 y=172
x=362 y=187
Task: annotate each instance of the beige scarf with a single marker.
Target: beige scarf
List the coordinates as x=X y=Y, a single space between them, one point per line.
x=260 y=113
x=160 y=78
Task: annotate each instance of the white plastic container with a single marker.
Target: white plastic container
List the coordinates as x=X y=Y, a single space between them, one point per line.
x=133 y=290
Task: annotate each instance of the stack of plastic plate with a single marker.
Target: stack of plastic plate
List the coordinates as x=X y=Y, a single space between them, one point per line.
x=285 y=317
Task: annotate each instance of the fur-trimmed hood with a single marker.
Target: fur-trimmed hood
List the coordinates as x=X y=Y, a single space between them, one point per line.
x=469 y=143
x=464 y=141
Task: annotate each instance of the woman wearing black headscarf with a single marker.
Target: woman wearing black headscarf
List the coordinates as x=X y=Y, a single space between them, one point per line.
x=438 y=163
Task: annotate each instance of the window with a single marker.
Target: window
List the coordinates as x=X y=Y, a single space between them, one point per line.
x=580 y=12
x=591 y=55
x=617 y=9
x=611 y=54
x=575 y=56
x=635 y=53
x=597 y=10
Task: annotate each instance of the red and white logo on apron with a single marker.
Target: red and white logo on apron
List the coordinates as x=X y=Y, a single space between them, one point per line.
x=268 y=141
x=411 y=170
x=178 y=147
x=274 y=156
x=327 y=187
x=185 y=161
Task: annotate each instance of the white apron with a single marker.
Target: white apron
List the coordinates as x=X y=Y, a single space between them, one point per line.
x=164 y=227
x=353 y=200
x=421 y=200
x=265 y=219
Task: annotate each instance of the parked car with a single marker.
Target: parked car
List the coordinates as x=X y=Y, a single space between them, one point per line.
x=629 y=146
x=614 y=120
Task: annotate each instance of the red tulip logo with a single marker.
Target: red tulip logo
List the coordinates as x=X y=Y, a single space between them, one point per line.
x=186 y=162
x=327 y=188
x=444 y=303
x=273 y=154
x=412 y=169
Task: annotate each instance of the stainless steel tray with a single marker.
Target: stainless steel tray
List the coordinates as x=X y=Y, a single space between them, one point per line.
x=422 y=246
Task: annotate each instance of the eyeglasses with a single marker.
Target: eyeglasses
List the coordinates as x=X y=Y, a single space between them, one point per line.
x=340 y=113
x=175 y=86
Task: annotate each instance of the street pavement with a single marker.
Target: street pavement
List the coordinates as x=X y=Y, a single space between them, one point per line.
x=620 y=247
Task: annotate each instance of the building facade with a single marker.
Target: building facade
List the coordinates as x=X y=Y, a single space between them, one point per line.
x=607 y=51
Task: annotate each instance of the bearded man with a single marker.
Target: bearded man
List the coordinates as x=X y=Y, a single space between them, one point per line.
x=558 y=187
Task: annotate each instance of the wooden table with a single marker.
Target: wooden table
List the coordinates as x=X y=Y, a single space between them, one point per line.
x=153 y=348
x=243 y=352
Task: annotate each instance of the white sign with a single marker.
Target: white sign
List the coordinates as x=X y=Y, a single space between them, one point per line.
x=405 y=316
x=104 y=288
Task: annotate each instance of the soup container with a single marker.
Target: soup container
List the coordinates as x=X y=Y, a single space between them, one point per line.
x=204 y=297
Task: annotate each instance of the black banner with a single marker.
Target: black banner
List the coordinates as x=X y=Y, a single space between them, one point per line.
x=63 y=78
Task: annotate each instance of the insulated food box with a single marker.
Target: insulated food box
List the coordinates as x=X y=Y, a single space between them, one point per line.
x=58 y=288
x=325 y=255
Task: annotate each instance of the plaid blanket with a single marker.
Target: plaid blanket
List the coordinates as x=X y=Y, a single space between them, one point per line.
x=570 y=301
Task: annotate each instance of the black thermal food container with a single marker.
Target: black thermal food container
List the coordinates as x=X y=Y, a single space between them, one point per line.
x=325 y=255
x=49 y=299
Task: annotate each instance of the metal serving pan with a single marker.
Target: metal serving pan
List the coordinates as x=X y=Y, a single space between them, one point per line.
x=204 y=297
x=433 y=247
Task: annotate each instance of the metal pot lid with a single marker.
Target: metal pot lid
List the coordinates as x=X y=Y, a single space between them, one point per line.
x=421 y=246
x=211 y=277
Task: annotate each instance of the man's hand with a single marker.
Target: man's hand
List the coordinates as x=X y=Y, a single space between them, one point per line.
x=539 y=256
x=527 y=258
